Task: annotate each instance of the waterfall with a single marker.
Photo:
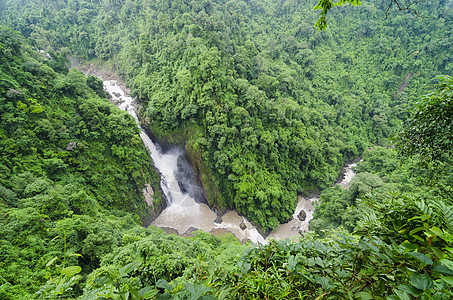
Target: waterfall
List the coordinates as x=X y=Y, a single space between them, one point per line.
x=186 y=208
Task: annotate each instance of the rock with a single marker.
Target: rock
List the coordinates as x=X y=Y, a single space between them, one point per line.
x=218 y=220
x=302 y=215
x=148 y=192
x=71 y=146
x=169 y=230
x=190 y=231
x=242 y=225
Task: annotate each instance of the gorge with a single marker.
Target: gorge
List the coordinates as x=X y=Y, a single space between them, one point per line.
x=187 y=210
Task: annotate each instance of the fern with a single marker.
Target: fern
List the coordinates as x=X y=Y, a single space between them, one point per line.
x=444 y=214
x=424 y=208
x=447 y=217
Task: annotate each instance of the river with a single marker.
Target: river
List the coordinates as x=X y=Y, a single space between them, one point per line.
x=186 y=210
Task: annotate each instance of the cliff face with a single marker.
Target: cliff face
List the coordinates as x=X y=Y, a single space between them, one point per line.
x=209 y=184
x=187 y=138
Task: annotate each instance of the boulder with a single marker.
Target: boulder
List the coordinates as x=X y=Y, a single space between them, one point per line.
x=190 y=231
x=218 y=220
x=302 y=215
x=242 y=225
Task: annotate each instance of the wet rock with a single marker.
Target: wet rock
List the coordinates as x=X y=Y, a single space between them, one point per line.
x=302 y=215
x=187 y=180
x=148 y=192
x=242 y=225
x=190 y=231
x=218 y=220
x=169 y=230
x=245 y=241
x=222 y=232
x=118 y=95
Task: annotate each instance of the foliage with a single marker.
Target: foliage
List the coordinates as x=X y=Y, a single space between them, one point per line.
x=269 y=107
x=66 y=156
x=326 y=5
x=428 y=131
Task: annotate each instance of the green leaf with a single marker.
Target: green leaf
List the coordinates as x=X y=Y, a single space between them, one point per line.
x=148 y=292
x=402 y=295
x=415 y=230
x=442 y=269
x=422 y=257
x=364 y=296
x=292 y=262
x=436 y=231
x=74 y=254
x=448 y=280
x=422 y=281
x=244 y=266
x=409 y=289
x=71 y=271
x=163 y=284
x=323 y=281
x=448 y=263
x=133 y=292
x=51 y=261
x=196 y=290
x=127 y=268
x=409 y=246
x=437 y=252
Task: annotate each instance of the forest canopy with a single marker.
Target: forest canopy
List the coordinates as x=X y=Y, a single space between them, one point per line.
x=267 y=107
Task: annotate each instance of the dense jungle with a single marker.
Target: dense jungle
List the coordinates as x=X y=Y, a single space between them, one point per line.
x=268 y=105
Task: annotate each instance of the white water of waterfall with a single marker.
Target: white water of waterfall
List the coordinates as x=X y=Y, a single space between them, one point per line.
x=184 y=213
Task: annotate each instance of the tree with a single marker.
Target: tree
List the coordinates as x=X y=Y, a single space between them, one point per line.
x=428 y=131
x=326 y=5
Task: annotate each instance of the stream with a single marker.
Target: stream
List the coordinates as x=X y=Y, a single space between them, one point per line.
x=186 y=209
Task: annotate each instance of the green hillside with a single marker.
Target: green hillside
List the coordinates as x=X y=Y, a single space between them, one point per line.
x=67 y=155
x=267 y=108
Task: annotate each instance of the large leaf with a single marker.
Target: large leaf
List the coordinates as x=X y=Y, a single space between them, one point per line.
x=148 y=292
x=422 y=257
x=364 y=296
x=442 y=269
x=163 y=284
x=448 y=217
x=422 y=281
x=127 y=268
x=409 y=289
x=448 y=280
x=324 y=282
x=448 y=263
x=196 y=290
x=402 y=295
x=71 y=271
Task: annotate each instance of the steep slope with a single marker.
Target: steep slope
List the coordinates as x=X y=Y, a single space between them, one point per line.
x=67 y=155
